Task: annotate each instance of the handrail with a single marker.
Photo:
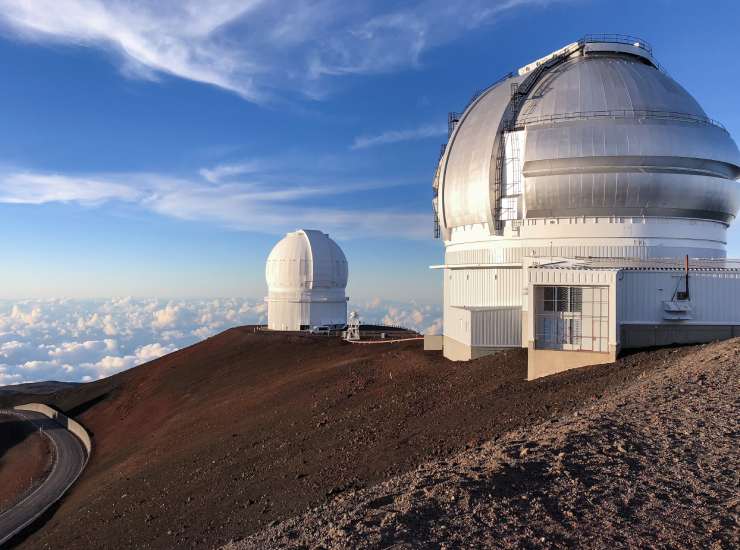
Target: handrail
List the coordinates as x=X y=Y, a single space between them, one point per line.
x=619 y=113
x=628 y=39
x=481 y=91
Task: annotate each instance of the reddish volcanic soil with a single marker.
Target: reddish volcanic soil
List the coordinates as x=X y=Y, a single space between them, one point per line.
x=25 y=458
x=217 y=441
x=654 y=465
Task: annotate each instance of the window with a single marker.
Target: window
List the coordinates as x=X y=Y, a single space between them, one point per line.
x=571 y=318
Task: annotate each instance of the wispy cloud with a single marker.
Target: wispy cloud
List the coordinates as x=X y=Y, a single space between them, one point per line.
x=395 y=136
x=269 y=206
x=224 y=171
x=35 y=188
x=178 y=37
x=254 y=48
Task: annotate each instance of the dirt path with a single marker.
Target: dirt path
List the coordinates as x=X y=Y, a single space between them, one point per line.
x=653 y=465
x=25 y=459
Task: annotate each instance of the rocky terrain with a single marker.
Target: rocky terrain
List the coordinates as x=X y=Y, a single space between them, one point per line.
x=652 y=465
x=25 y=457
x=244 y=434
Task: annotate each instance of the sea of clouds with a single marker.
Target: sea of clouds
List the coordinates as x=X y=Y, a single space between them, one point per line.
x=84 y=340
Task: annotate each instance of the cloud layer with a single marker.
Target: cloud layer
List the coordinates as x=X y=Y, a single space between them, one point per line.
x=254 y=48
x=239 y=196
x=83 y=340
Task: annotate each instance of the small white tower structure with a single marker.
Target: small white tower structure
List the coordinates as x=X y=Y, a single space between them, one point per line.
x=353 y=327
x=306 y=276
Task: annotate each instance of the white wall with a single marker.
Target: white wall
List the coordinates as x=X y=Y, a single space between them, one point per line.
x=715 y=296
x=291 y=315
x=457 y=324
x=484 y=287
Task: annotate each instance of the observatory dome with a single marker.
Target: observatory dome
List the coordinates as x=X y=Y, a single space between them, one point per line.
x=575 y=196
x=306 y=259
x=306 y=275
x=601 y=130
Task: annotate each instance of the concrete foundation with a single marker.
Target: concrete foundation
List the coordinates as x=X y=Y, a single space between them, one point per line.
x=433 y=342
x=544 y=362
x=457 y=351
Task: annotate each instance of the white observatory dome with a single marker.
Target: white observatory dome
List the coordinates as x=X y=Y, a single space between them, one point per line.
x=595 y=132
x=589 y=159
x=306 y=276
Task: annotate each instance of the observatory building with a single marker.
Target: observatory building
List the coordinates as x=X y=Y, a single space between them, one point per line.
x=584 y=202
x=306 y=276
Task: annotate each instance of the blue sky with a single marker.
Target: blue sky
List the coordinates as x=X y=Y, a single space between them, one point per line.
x=161 y=148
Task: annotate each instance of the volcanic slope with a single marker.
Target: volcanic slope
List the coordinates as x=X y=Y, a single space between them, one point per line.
x=215 y=442
x=655 y=465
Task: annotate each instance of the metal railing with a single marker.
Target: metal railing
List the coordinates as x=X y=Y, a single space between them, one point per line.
x=453 y=118
x=630 y=40
x=627 y=39
x=619 y=113
x=481 y=91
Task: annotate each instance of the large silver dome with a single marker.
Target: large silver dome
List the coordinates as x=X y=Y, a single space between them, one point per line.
x=608 y=133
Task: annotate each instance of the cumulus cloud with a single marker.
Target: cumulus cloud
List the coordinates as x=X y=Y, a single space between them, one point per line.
x=395 y=136
x=423 y=318
x=72 y=340
x=254 y=48
x=79 y=352
x=111 y=364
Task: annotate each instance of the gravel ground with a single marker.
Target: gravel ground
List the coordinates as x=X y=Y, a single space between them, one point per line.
x=215 y=442
x=654 y=465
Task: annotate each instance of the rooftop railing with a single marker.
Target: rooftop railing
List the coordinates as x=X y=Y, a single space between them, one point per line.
x=627 y=39
x=619 y=113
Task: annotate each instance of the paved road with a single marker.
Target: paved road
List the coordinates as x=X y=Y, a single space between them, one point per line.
x=69 y=460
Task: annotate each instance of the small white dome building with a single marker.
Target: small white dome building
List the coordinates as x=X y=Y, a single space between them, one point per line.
x=306 y=276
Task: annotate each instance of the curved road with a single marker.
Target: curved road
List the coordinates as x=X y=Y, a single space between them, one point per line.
x=69 y=457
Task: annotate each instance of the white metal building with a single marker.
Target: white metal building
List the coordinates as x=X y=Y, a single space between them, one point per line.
x=306 y=276
x=568 y=194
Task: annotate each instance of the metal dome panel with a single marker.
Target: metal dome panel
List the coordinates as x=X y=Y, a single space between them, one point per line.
x=304 y=260
x=606 y=82
x=607 y=134
x=615 y=137
x=466 y=177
